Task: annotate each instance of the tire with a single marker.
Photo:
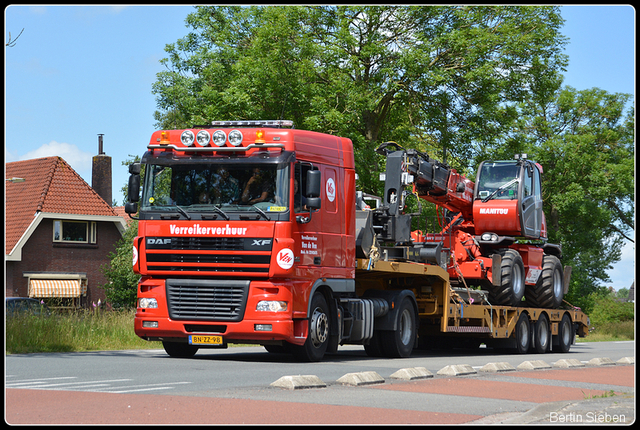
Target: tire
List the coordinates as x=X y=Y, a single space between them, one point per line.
x=374 y=347
x=549 y=290
x=523 y=334
x=565 y=334
x=511 y=290
x=317 y=341
x=179 y=349
x=400 y=342
x=276 y=349
x=542 y=335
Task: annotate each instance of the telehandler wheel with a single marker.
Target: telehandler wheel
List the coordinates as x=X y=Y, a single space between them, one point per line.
x=179 y=350
x=511 y=290
x=542 y=335
x=317 y=341
x=523 y=334
x=549 y=290
x=400 y=342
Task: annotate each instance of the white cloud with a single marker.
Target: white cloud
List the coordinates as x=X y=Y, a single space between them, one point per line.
x=80 y=161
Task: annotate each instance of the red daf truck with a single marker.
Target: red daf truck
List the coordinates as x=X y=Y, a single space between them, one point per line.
x=253 y=232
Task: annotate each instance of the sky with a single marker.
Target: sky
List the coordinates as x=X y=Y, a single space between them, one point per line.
x=79 y=71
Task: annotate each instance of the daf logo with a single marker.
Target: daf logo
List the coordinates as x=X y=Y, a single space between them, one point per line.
x=261 y=242
x=158 y=241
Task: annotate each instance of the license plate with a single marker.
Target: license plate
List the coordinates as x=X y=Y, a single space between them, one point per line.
x=205 y=340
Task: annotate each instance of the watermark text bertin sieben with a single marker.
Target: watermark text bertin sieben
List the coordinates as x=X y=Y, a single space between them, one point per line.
x=588 y=417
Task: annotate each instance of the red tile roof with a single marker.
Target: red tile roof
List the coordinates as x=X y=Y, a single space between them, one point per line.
x=50 y=185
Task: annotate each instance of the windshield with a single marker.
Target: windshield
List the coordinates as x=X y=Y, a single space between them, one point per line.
x=215 y=187
x=492 y=176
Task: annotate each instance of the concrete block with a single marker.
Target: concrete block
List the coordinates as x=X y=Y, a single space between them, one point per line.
x=533 y=365
x=502 y=366
x=601 y=361
x=297 y=382
x=361 y=378
x=411 y=373
x=457 y=370
x=627 y=360
x=568 y=362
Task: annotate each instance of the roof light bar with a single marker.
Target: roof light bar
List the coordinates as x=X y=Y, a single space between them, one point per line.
x=277 y=123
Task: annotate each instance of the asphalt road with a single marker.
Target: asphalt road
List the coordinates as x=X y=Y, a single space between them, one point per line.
x=233 y=386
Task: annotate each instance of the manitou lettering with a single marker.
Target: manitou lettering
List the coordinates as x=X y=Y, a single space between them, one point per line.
x=494 y=211
x=197 y=230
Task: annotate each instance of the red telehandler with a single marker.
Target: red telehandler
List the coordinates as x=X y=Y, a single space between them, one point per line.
x=497 y=238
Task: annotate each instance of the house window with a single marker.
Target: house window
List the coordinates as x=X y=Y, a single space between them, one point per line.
x=74 y=231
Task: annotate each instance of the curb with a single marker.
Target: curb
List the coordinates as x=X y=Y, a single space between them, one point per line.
x=295 y=382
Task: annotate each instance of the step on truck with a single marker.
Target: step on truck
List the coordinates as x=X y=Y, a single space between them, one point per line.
x=253 y=232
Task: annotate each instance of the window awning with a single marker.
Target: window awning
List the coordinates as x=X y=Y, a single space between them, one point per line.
x=56 y=288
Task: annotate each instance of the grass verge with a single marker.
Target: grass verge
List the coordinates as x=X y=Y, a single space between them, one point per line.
x=611 y=332
x=70 y=332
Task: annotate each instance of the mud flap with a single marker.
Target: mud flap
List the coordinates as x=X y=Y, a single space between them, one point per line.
x=496 y=275
x=566 y=279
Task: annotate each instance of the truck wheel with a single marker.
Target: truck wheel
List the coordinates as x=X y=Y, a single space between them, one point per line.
x=511 y=290
x=400 y=342
x=179 y=350
x=549 y=290
x=565 y=333
x=523 y=334
x=542 y=335
x=317 y=341
x=374 y=347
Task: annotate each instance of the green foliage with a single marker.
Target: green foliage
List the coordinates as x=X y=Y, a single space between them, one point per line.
x=82 y=330
x=606 y=309
x=121 y=289
x=432 y=77
x=585 y=142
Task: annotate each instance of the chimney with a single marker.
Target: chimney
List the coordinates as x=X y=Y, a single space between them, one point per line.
x=101 y=173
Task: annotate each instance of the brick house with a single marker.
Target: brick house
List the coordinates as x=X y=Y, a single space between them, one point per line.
x=58 y=233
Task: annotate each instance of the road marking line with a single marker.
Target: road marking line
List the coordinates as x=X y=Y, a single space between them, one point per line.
x=162 y=386
x=37 y=381
x=67 y=384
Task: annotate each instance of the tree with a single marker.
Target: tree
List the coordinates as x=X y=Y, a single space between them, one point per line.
x=122 y=287
x=431 y=77
x=585 y=142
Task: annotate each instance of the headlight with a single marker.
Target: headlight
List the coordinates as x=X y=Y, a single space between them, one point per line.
x=187 y=137
x=271 y=306
x=203 y=138
x=489 y=237
x=235 y=137
x=147 y=303
x=219 y=138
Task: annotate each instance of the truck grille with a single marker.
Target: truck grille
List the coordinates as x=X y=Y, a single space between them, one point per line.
x=224 y=256
x=211 y=300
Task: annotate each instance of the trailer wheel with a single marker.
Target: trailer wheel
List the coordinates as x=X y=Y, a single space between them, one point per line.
x=179 y=350
x=400 y=342
x=542 y=335
x=511 y=289
x=523 y=334
x=565 y=333
x=317 y=341
x=549 y=290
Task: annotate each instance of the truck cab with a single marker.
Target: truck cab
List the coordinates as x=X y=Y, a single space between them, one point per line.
x=508 y=199
x=240 y=224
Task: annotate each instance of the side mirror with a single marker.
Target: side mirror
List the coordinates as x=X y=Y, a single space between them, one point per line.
x=313 y=183
x=134 y=188
x=134 y=168
x=131 y=208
